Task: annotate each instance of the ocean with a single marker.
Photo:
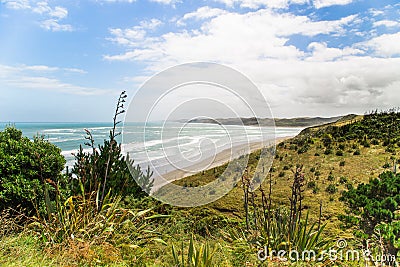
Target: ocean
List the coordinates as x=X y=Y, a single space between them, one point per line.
x=161 y=144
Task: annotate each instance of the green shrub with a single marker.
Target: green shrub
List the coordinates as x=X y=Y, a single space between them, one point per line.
x=28 y=169
x=339 y=153
x=303 y=149
x=197 y=255
x=386 y=165
x=365 y=143
x=327 y=140
x=331 y=189
x=106 y=168
x=293 y=147
x=357 y=152
x=375 y=142
x=375 y=205
x=390 y=149
x=342 y=163
x=286 y=167
x=311 y=184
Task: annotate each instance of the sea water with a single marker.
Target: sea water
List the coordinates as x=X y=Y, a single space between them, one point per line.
x=153 y=142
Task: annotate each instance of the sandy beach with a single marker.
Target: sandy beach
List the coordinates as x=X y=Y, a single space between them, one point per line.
x=218 y=160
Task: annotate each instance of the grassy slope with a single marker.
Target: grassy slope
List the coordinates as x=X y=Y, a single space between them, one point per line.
x=206 y=222
x=356 y=169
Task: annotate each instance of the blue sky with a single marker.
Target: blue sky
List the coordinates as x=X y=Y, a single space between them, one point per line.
x=68 y=60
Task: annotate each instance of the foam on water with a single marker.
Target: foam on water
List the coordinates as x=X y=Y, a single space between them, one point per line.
x=193 y=141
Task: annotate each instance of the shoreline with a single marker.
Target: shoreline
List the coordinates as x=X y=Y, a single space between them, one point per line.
x=220 y=159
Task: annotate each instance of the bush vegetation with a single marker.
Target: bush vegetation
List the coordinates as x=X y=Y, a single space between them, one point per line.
x=97 y=215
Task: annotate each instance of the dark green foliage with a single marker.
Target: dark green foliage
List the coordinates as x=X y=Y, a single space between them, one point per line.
x=28 y=169
x=376 y=201
x=386 y=165
x=365 y=143
x=328 y=151
x=375 y=142
x=281 y=174
x=357 y=152
x=376 y=126
x=375 y=205
x=342 y=163
x=331 y=177
x=104 y=168
x=390 y=149
x=311 y=184
x=315 y=190
x=303 y=149
x=327 y=140
x=342 y=147
x=286 y=167
x=331 y=189
x=339 y=153
x=343 y=180
x=293 y=147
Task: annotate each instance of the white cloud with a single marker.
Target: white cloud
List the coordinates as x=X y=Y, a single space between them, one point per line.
x=39 y=68
x=114 y=1
x=16 y=4
x=321 y=52
x=59 y=12
x=386 y=23
x=36 y=77
x=322 y=80
x=255 y=4
x=80 y=71
x=56 y=14
x=135 y=35
x=254 y=35
x=55 y=26
x=385 y=45
x=204 y=12
x=150 y=24
x=327 y=3
x=228 y=3
x=51 y=15
x=376 y=12
x=42 y=8
x=165 y=2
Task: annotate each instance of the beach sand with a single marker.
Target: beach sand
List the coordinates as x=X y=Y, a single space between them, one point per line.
x=218 y=160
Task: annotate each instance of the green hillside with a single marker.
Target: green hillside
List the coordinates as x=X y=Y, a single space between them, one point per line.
x=308 y=178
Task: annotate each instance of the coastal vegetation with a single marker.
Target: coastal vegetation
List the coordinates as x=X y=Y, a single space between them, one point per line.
x=330 y=183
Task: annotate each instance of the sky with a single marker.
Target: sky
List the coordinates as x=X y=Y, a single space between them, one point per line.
x=67 y=61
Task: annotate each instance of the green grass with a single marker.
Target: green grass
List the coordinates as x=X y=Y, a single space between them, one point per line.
x=23 y=250
x=219 y=224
